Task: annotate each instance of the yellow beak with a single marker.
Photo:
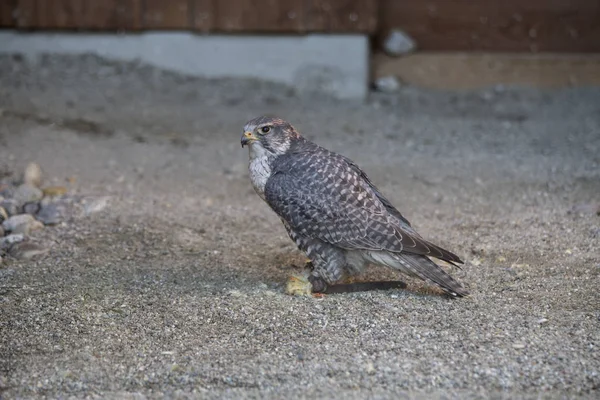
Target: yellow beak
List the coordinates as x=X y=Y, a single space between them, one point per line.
x=247 y=138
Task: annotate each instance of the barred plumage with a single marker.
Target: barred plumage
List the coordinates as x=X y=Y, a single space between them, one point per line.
x=333 y=212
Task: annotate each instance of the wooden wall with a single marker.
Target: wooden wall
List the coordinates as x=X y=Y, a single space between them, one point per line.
x=496 y=25
x=197 y=15
x=437 y=25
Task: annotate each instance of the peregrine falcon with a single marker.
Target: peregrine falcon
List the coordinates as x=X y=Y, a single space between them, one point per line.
x=333 y=212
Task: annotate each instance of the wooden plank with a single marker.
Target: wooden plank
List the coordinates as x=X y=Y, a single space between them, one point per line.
x=160 y=14
x=259 y=16
x=7 y=13
x=100 y=15
x=26 y=13
x=203 y=15
x=508 y=25
x=128 y=15
x=463 y=71
x=342 y=16
x=60 y=14
x=79 y=14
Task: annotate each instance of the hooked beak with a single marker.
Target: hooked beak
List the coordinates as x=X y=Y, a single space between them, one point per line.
x=248 y=138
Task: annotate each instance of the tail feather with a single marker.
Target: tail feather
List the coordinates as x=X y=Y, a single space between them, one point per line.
x=422 y=267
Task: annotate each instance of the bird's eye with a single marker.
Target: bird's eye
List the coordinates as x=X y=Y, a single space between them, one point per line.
x=265 y=129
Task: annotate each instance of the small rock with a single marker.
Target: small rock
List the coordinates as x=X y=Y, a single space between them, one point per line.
x=52 y=213
x=27 y=193
x=13 y=222
x=518 y=346
x=9 y=240
x=398 y=43
x=10 y=206
x=387 y=84
x=542 y=321
x=26 y=250
x=33 y=175
x=52 y=191
x=1 y=260
x=370 y=368
x=31 y=208
x=1 y=231
x=95 y=205
x=3 y=215
x=26 y=229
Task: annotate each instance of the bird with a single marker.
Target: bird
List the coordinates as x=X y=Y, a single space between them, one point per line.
x=334 y=213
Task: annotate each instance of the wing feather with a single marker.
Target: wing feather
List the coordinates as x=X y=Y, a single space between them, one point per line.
x=336 y=202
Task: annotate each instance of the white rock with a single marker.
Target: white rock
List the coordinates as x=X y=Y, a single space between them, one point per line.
x=387 y=84
x=398 y=43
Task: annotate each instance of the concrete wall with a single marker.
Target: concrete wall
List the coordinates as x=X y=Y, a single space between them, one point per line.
x=333 y=64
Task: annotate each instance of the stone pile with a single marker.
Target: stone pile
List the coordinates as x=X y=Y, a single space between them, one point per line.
x=27 y=206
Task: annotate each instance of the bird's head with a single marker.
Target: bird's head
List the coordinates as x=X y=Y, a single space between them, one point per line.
x=269 y=135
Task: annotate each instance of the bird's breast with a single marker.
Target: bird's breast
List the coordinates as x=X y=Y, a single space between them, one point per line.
x=260 y=171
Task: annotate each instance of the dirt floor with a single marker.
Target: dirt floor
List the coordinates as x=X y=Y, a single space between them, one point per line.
x=176 y=288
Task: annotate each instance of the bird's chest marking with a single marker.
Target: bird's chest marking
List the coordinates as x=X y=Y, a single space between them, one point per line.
x=260 y=171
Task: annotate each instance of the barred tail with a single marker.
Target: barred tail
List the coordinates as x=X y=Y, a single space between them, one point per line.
x=421 y=267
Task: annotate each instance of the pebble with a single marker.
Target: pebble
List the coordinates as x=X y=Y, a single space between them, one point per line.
x=387 y=84
x=52 y=213
x=3 y=215
x=26 y=229
x=27 y=193
x=33 y=175
x=13 y=222
x=31 y=208
x=26 y=250
x=9 y=240
x=542 y=320
x=398 y=43
x=10 y=206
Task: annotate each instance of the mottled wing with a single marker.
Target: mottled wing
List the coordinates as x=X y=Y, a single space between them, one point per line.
x=329 y=199
x=421 y=246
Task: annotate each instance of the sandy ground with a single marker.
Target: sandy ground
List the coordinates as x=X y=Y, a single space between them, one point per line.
x=176 y=288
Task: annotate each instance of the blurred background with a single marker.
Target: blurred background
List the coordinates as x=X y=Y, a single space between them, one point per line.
x=436 y=43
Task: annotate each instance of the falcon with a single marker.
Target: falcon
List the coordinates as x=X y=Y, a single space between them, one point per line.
x=334 y=213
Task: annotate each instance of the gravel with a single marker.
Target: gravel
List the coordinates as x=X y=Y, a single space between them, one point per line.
x=175 y=287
